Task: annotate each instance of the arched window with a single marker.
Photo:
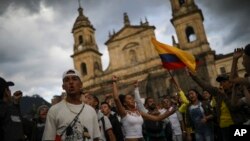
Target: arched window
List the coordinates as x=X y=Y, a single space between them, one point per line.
x=84 y=69
x=190 y=34
x=80 y=39
x=133 y=57
x=96 y=66
x=182 y=2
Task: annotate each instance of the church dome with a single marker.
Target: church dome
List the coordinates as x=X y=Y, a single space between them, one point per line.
x=81 y=20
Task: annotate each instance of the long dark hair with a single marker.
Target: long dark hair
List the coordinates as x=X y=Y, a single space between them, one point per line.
x=122 y=98
x=146 y=101
x=208 y=92
x=199 y=97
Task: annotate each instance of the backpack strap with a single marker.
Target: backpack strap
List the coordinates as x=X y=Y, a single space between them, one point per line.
x=73 y=122
x=104 y=128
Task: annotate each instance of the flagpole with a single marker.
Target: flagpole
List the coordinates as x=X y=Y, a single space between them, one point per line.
x=172 y=77
x=170 y=73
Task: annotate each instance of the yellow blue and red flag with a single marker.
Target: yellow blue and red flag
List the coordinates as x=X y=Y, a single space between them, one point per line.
x=174 y=58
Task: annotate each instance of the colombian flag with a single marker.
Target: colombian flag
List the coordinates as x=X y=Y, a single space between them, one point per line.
x=174 y=58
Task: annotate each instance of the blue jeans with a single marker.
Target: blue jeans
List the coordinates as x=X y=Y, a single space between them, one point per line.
x=201 y=137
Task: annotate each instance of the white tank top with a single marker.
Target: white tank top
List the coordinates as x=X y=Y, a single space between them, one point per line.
x=132 y=125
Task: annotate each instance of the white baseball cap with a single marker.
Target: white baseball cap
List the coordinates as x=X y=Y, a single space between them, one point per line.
x=71 y=72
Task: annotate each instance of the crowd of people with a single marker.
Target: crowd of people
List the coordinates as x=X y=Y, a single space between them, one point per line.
x=181 y=116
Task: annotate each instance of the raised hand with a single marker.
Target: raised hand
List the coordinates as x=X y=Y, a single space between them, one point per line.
x=17 y=96
x=136 y=83
x=238 y=52
x=114 y=78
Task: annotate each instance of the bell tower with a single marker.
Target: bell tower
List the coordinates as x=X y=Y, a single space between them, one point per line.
x=86 y=56
x=187 y=20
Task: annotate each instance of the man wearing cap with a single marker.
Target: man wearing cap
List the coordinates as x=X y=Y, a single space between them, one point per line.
x=223 y=79
x=71 y=119
x=11 y=127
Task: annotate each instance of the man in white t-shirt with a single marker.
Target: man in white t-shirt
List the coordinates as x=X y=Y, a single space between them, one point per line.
x=71 y=119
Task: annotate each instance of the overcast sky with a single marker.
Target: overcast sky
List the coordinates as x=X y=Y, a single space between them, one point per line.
x=36 y=40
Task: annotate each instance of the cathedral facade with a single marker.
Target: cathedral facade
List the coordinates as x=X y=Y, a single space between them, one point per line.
x=133 y=57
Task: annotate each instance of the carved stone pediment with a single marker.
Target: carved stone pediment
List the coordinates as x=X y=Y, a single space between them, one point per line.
x=127 y=31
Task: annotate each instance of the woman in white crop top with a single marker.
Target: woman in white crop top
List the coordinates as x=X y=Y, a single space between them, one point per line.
x=131 y=117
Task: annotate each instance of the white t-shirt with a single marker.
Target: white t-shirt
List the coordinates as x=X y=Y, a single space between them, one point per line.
x=61 y=115
x=175 y=119
x=107 y=126
x=132 y=125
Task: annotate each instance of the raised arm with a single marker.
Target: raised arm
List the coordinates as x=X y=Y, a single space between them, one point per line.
x=234 y=69
x=204 y=85
x=182 y=108
x=184 y=104
x=176 y=85
x=159 y=117
x=120 y=109
x=180 y=92
x=138 y=101
x=243 y=81
x=235 y=101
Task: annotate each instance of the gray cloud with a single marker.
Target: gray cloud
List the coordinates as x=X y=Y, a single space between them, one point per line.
x=30 y=5
x=229 y=18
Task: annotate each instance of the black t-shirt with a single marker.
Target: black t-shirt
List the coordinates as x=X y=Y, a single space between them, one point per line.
x=11 y=128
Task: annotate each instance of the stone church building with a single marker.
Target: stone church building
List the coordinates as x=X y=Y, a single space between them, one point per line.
x=133 y=57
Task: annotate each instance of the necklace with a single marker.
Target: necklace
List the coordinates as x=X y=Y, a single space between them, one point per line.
x=66 y=103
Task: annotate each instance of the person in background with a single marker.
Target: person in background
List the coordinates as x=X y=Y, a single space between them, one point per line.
x=11 y=125
x=226 y=114
x=105 y=126
x=246 y=60
x=153 y=130
x=84 y=96
x=114 y=120
x=245 y=81
x=39 y=123
x=56 y=99
x=242 y=85
x=199 y=117
x=109 y=99
x=206 y=96
x=175 y=119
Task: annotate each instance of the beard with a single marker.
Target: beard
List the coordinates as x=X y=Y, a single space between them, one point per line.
x=152 y=107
